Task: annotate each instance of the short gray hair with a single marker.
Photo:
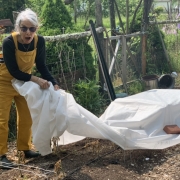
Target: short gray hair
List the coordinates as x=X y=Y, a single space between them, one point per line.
x=27 y=14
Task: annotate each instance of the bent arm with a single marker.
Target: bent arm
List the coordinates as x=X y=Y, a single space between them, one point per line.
x=41 y=61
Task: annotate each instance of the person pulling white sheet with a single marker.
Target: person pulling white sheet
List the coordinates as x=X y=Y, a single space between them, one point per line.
x=134 y=122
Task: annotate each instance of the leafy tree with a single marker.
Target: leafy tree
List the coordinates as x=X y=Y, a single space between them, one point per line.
x=35 y=5
x=8 y=6
x=155 y=46
x=105 y=8
x=82 y=8
x=122 y=6
x=55 y=15
x=136 y=26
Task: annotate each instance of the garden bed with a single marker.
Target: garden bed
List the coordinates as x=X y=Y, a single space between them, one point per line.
x=80 y=162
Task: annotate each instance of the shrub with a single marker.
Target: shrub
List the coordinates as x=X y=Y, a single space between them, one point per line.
x=69 y=55
x=55 y=15
x=86 y=93
x=136 y=87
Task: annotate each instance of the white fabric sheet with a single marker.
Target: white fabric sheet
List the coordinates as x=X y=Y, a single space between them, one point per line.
x=134 y=122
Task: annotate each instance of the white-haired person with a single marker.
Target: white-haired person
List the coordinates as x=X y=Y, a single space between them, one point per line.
x=21 y=50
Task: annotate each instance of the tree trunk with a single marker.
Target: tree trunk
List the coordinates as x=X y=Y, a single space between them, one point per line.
x=87 y=15
x=119 y=16
x=113 y=22
x=127 y=16
x=147 y=6
x=75 y=11
x=99 y=23
x=134 y=16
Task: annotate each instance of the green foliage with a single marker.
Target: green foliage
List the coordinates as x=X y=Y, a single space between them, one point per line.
x=136 y=87
x=86 y=93
x=105 y=8
x=158 y=10
x=82 y=8
x=136 y=41
x=82 y=52
x=7 y=6
x=49 y=31
x=138 y=21
x=70 y=56
x=122 y=6
x=158 y=62
x=35 y=5
x=154 y=37
x=55 y=15
x=172 y=44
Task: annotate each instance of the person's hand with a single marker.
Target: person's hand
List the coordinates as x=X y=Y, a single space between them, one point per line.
x=44 y=84
x=56 y=87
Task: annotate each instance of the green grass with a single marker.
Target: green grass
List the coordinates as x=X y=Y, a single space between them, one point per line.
x=106 y=22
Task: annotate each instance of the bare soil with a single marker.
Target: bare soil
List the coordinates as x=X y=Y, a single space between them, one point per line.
x=102 y=160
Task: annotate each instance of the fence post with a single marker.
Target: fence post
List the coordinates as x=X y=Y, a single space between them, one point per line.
x=124 y=62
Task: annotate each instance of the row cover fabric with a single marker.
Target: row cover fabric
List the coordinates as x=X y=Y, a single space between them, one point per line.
x=134 y=122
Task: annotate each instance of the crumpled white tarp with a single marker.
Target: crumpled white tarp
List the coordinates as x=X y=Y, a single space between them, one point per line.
x=134 y=122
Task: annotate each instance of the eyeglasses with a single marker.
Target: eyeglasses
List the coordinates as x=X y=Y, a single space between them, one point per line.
x=31 y=29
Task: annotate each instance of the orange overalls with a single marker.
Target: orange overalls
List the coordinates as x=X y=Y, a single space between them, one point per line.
x=25 y=61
